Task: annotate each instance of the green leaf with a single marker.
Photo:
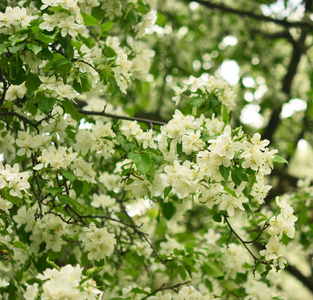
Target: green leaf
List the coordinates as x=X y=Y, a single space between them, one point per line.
x=86 y=83
x=34 y=48
x=168 y=210
x=107 y=26
x=17 y=74
x=12 y=199
x=69 y=108
x=32 y=82
x=212 y=269
x=89 y=20
x=142 y=161
x=68 y=174
x=45 y=104
x=224 y=171
x=217 y=217
x=19 y=244
x=78 y=187
x=251 y=180
x=7 y=104
x=94 y=271
x=127 y=147
x=17 y=38
x=70 y=52
x=241 y=175
x=280 y=160
x=62 y=66
x=225 y=115
x=54 y=190
x=182 y=272
x=167 y=190
x=4 y=46
x=235 y=178
x=137 y=291
x=228 y=190
x=197 y=102
x=47 y=53
x=46 y=39
x=64 y=199
x=16 y=48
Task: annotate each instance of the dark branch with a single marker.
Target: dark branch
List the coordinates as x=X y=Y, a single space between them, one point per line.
x=232 y=231
x=19 y=116
x=298 y=51
x=307 y=281
x=104 y=114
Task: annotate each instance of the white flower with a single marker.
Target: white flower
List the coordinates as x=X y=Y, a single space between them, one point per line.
x=5 y=205
x=139 y=188
x=16 y=91
x=256 y=140
x=224 y=146
x=83 y=170
x=275 y=251
x=98 y=242
x=65 y=91
x=69 y=26
x=192 y=142
x=178 y=93
x=144 y=26
x=102 y=201
x=147 y=139
x=50 y=22
x=63 y=284
x=32 y=291
x=131 y=128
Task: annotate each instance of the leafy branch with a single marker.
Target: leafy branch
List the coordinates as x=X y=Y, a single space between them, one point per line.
x=253 y=15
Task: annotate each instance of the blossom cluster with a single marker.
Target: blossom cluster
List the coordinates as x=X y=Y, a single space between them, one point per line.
x=54 y=88
x=206 y=87
x=279 y=225
x=145 y=206
x=98 y=242
x=14 y=19
x=102 y=138
x=66 y=283
x=15 y=181
x=49 y=229
x=123 y=65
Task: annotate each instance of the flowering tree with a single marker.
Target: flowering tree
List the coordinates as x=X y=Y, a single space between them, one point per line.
x=100 y=202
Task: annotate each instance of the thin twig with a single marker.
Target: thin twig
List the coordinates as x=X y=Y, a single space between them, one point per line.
x=104 y=114
x=163 y=288
x=240 y=239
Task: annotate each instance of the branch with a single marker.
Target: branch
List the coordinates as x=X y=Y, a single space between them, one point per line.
x=140 y=234
x=307 y=281
x=163 y=288
x=5 y=88
x=104 y=114
x=240 y=239
x=275 y=35
x=298 y=51
x=111 y=219
x=253 y=15
x=19 y=116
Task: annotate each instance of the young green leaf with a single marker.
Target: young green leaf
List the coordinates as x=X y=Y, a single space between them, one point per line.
x=280 y=160
x=168 y=210
x=45 y=104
